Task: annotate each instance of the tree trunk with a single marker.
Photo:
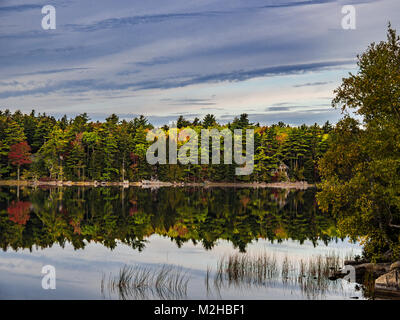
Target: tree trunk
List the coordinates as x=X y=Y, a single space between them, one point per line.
x=18 y=182
x=123 y=170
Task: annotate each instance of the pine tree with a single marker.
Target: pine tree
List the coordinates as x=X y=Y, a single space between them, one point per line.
x=266 y=158
x=54 y=150
x=209 y=121
x=14 y=133
x=75 y=160
x=109 y=154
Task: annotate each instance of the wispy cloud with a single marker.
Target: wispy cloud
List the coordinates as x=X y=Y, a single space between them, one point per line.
x=277 y=109
x=122 y=22
x=100 y=85
x=51 y=71
x=19 y=8
x=187 y=101
x=295 y=3
x=312 y=84
x=251 y=54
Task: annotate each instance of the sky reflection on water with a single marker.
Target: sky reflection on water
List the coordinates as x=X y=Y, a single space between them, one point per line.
x=79 y=272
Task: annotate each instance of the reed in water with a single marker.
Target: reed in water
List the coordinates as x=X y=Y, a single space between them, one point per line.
x=137 y=282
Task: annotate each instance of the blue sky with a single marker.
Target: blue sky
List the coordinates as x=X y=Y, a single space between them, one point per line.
x=275 y=60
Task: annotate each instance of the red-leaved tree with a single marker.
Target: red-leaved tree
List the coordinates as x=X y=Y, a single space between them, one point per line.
x=18 y=212
x=19 y=155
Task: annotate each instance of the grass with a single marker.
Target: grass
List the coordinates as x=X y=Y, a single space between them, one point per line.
x=311 y=275
x=286 y=269
x=137 y=282
x=241 y=270
x=244 y=268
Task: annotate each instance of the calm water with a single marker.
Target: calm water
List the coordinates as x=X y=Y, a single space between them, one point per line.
x=90 y=234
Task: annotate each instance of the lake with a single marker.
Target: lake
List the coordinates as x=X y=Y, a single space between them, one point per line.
x=170 y=243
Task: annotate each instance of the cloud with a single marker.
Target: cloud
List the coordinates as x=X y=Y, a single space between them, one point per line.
x=241 y=75
x=312 y=84
x=212 y=109
x=50 y=71
x=19 y=8
x=312 y=3
x=187 y=114
x=193 y=102
x=156 y=61
x=138 y=20
x=274 y=109
x=74 y=86
x=296 y=118
x=139 y=52
x=127 y=72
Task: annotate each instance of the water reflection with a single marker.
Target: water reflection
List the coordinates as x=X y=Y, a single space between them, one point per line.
x=129 y=243
x=44 y=217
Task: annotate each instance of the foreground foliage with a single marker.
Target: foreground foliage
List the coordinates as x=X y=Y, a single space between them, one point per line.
x=361 y=170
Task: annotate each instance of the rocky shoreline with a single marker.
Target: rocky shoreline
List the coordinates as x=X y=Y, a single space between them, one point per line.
x=385 y=277
x=299 y=185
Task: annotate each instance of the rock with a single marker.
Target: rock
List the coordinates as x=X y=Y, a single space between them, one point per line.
x=354 y=262
x=395 y=265
x=337 y=275
x=373 y=269
x=361 y=270
x=389 y=281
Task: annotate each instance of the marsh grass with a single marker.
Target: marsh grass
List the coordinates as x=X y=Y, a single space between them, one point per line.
x=368 y=285
x=311 y=275
x=286 y=269
x=246 y=269
x=137 y=282
x=241 y=270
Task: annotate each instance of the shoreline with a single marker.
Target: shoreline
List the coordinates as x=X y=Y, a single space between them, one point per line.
x=385 y=275
x=298 y=185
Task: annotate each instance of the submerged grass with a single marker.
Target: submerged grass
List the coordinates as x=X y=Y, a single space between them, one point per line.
x=137 y=282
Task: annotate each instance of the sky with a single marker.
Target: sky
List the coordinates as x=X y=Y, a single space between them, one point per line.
x=276 y=60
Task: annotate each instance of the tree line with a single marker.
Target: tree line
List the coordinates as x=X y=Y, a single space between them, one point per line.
x=38 y=146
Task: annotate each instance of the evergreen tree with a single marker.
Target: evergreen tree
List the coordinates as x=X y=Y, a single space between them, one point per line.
x=209 y=121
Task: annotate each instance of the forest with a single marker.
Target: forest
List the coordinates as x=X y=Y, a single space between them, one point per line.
x=40 y=147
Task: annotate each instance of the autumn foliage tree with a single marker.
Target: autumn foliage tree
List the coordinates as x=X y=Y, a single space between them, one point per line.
x=361 y=170
x=19 y=155
x=19 y=212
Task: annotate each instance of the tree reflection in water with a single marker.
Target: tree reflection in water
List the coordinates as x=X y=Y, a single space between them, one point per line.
x=43 y=217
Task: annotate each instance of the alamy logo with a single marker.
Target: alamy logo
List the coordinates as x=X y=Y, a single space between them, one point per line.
x=349 y=20
x=189 y=151
x=49 y=279
x=49 y=20
x=350 y=272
